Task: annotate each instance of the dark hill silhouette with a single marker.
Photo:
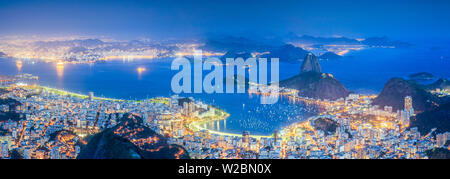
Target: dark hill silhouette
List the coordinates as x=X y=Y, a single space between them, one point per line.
x=130 y=139
x=11 y=114
x=438 y=153
x=287 y=53
x=395 y=91
x=421 y=76
x=3 y=91
x=330 y=56
x=438 y=118
x=106 y=145
x=317 y=85
x=325 y=124
x=314 y=84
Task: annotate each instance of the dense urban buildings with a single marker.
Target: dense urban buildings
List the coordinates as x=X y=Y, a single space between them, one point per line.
x=47 y=123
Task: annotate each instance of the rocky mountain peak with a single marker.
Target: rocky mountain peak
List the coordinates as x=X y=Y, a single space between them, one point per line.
x=311 y=64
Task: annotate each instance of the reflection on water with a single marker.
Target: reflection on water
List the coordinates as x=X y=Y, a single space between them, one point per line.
x=60 y=69
x=19 y=65
x=254 y=117
x=141 y=70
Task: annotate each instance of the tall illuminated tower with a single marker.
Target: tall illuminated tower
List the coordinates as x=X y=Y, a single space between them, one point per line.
x=408 y=103
x=408 y=111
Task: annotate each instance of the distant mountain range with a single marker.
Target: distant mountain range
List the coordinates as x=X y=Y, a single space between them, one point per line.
x=307 y=39
x=371 y=41
x=87 y=49
x=329 y=56
x=74 y=43
x=421 y=76
x=287 y=53
x=231 y=43
x=250 y=44
x=93 y=49
x=384 y=41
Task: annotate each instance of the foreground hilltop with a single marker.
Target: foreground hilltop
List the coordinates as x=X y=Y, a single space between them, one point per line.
x=438 y=118
x=438 y=153
x=311 y=82
x=327 y=125
x=130 y=139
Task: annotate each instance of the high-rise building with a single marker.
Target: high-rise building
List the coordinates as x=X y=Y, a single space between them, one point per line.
x=405 y=114
x=26 y=154
x=91 y=95
x=5 y=149
x=245 y=136
x=388 y=108
x=145 y=117
x=408 y=104
x=276 y=136
x=54 y=154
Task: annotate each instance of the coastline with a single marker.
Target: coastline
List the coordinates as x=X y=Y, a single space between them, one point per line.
x=195 y=125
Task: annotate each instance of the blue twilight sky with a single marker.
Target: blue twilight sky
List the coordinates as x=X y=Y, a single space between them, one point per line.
x=189 y=18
